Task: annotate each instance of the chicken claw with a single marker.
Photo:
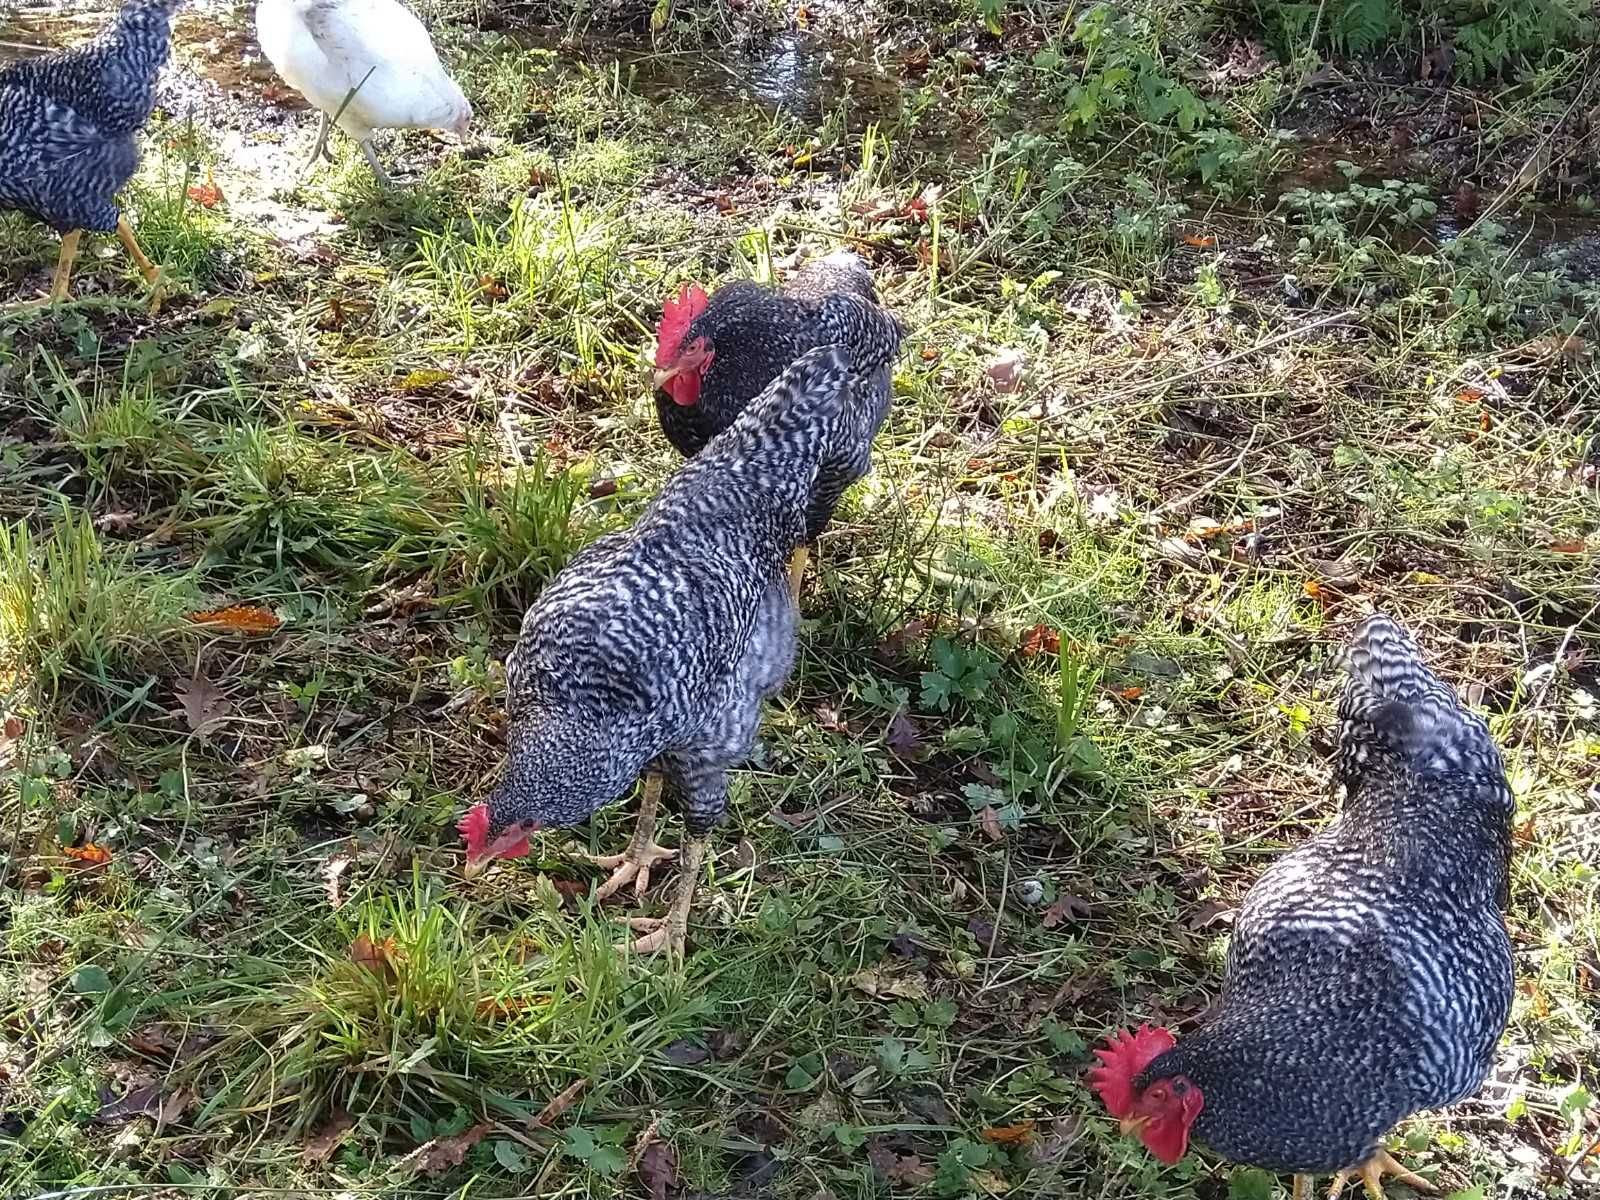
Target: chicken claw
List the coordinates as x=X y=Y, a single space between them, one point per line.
x=672 y=930
x=1372 y=1172
x=642 y=855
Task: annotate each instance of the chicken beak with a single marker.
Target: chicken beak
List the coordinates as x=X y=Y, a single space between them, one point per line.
x=665 y=377
x=1132 y=1126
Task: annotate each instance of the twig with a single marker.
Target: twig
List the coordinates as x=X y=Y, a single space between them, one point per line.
x=1560 y=654
x=1275 y=340
x=1206 y=488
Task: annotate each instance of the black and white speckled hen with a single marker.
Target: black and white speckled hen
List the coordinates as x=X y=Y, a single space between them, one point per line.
x=1370 y=972
x=69 y=123
x=714 y=355
x=655 y=646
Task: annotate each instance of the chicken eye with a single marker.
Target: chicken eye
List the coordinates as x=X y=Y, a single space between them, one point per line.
x=1179 y=1088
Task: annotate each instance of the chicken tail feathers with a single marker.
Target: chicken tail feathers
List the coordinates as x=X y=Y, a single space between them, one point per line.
x=1395 y=708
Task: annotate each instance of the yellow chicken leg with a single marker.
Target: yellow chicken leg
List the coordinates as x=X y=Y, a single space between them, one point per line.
x=1304 y=1187
x=672 y=931
x=63 y=276
x=59 y=282
x=151 y=272
x=1371 y=1174
x=797 y=569
x=636 y=862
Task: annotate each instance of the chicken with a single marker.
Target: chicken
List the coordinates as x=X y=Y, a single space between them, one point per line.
x=656 y=646
x=1370 y=972
x=368 y=64
x=69 y=124
x=714 y=355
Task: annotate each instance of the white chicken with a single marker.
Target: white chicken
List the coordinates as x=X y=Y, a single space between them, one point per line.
x=368 y=64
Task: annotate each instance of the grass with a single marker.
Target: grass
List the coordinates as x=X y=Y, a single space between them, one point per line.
x=1064 y=687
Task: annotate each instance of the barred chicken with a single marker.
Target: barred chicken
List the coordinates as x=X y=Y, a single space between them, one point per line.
x=1370 y=973
x=69 y=124
x=714 y=355
x=657 y=645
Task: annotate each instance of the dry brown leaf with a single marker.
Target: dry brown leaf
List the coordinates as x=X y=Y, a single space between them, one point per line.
x=1066 y=908
x=377 y=957
x=558 y=1107
x=320 y=1145
x=1202 y=241
x=207 y=194
x=1009 y=1135
x=1040 y=639
x=1570 y=546
x=658 y=1169
x=1469 y=395
x=203 y=702
x=1131 y=692
x=13 y=728
x=1005 y=371
x=989 y=822
x=147 y=1101
x=879 y=983
x=443 y=1153
x=240 y=618
x=904 y=737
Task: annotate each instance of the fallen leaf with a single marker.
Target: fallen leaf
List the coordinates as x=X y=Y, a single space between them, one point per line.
x=1131 y=692
x=1210 y=912
x=13 y=728
x=88 y=853
x=879 y=983
x=492 y=290
x=241 y=618
x=1009 y=1135
x=725 y=1043
x=1005 y=371
x=898 y=642
x=831 y=719
x=1469 y=395
x=684 y=1053
x=658 y=1169
x=1040 y=639
x=989 y=822
x=1066 y=908
x=796 y=820
x=115 y=522
x=442 y=1153
x=1570 y=546
x=320 y=1146
x=1204 y=528
x=558 y=1107
x=903 y=737
x=377 y=957
x=1202 y=241
x=1312 y=588
x=331 y=871
x=207 y=194
x=423 y=379
x=202 y=702
x=172 y=1043
x=1526 y=833
x=930 y=354
x=147 y=1101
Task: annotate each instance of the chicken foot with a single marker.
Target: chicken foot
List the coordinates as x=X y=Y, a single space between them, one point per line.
x=151 y=272
x=60 y=281
x=1371 y=1174
x=672 y=930
x=635 y=863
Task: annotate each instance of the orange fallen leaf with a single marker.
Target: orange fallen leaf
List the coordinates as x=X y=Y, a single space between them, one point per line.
x=442 y=1153
x=491 y=289
x=1313 y=589
x=1131 y=692
x=1469 y=395
x=930 y=354
x=989 y=822
x=1040 y=639
x=89 y=853
x=1483 y=421
x=1202 y=240
x=241 y=618
x=13 y=728
x=207 y=194
x=1570 y=546
x=377 y=957
x=1009 y=1135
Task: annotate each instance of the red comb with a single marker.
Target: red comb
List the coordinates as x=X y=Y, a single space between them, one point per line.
x=676 y=317
x=474 y=829
x=1124 y=1056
